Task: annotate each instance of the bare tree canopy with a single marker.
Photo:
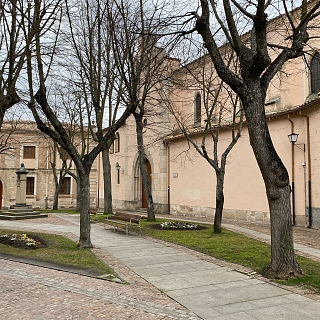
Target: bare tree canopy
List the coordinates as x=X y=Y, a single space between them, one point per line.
x=76 y=61
x=17 y=21
x=262 y=46
x=216 y=107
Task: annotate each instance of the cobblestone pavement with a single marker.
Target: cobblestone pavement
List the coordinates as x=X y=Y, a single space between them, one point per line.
x=30 y=292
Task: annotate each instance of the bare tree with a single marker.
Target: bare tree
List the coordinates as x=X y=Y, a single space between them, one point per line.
x=222 y=109
x=59 y=170
x=97 y=80
x=16 y=35
x=43 y=113
x=9 y=126
x=142 y=67
x=259 y=62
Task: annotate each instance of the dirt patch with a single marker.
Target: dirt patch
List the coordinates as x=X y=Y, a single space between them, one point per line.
x=23 y=241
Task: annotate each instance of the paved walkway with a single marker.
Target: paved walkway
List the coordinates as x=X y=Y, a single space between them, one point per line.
x=206 y=288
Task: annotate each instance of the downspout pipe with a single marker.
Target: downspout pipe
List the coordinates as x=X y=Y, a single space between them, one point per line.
x=309 y=172
x=292 y=177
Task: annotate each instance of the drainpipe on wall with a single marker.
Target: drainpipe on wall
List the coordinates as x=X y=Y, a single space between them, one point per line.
x=292 y=176
x=47 y=178
x=309 y=172
x=168 y=175
x=98 y=181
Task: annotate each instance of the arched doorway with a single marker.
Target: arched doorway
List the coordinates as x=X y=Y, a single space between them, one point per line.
x=144 y=199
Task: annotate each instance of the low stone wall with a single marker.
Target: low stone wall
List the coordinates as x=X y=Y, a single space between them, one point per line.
x=239 y=215
x=159 y=208
x=192 y=212
x=315 y=217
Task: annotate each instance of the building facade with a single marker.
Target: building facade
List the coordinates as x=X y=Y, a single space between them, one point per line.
x=184 y=183
x=27 y=145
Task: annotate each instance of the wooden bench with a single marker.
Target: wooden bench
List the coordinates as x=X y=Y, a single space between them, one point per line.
x=93 y=213
x=123 y=219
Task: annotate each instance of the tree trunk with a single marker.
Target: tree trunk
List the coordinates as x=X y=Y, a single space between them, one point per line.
x=219 y=202
x=143 y=170
x=55 y=204
x=276 y=179
x=85 y=239
x=78 y=207
x=107 y=187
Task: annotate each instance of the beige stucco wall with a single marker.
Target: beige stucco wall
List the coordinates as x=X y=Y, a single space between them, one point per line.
x=192 y=180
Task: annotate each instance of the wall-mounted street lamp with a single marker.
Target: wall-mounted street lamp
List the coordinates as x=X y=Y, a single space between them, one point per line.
x=118 y=167
x=293 y=137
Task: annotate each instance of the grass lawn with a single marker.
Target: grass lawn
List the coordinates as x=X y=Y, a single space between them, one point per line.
x=70 y=211
x=60 y=250
x=233 y=247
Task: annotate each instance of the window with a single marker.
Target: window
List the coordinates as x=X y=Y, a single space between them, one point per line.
x=315 y=73
x=30 y=186
x=117 y=143
x=65 y=185
x=29 y=152
x=197 y=111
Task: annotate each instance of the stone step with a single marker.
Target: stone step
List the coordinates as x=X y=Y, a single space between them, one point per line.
x=17 y=210
x=10 y=216
x=143 y=210
x=21 y=215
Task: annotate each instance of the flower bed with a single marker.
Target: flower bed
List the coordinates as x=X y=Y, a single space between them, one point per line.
x=22 y=241
x=178 y=225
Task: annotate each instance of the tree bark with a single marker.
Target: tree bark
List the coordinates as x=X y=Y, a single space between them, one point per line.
x=85 y=227
x=143 y=169
x=276 y=179
x=55 y=205
x=78 y=207
x=219 y=201
x=107 y=182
